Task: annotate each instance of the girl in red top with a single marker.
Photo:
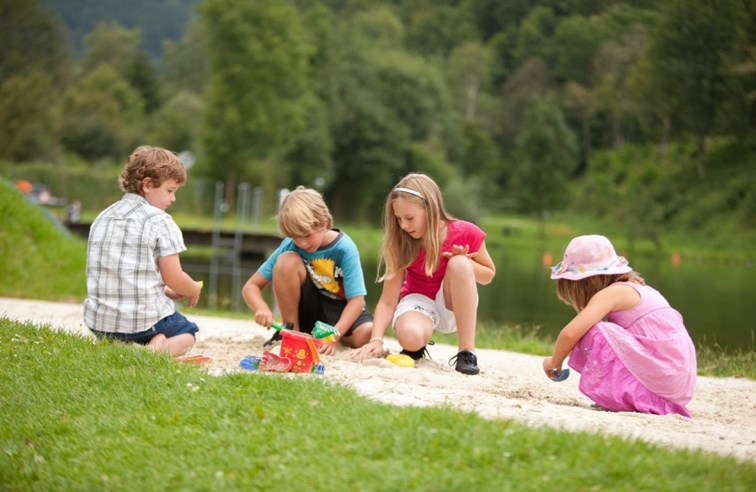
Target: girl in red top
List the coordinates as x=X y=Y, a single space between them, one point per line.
x=431 y=263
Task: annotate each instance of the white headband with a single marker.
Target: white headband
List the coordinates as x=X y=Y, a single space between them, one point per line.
x=411 y=192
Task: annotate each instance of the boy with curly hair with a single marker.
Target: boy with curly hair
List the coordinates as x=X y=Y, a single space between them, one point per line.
x=133 y=269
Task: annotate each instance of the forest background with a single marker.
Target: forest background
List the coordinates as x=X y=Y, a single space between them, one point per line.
x=639 y=112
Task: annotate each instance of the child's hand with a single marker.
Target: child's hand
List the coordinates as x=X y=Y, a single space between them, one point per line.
x=192 y=300
x=459 y=250
x=172 y=294
x=328 y=348
x=549 y=366
x=264 y=317
x=375 y=347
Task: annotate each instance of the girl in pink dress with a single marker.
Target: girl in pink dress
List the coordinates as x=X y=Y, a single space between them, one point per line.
x=641 y=359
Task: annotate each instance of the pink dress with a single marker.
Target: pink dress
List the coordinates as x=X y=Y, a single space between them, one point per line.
x=639 y=360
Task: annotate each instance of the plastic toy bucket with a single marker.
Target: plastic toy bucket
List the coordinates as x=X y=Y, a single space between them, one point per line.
x=301 y=348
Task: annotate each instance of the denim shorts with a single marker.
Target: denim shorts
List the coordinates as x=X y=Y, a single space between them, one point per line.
x=170 y=326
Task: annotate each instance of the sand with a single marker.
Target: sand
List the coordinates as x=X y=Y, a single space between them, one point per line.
x=510 y=386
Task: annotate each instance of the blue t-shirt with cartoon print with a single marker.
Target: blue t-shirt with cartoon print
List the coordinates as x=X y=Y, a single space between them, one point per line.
x=334 y=268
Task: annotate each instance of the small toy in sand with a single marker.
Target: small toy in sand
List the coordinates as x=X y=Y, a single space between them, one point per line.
x=274 y=363
x=325 y=332
x=560 y=375
x=282 y=326
x=401 y=360
x=194 y=359
x=251 y=362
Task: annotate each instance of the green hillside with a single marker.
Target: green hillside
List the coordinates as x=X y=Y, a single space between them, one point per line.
x=39 y=259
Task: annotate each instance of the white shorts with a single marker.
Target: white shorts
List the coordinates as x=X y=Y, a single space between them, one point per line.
x=443 y=319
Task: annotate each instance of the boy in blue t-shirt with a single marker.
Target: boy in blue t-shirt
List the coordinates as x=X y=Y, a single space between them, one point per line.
x=316 y=274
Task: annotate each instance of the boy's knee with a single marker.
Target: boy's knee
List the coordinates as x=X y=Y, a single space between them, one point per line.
x=288 y=262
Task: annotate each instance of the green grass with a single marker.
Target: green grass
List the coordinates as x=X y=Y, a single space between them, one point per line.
x=37 y=259
x=78 y=415
x=526 y=340
x=714 y=361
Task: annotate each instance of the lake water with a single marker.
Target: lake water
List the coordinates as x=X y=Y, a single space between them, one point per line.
x=716 y=299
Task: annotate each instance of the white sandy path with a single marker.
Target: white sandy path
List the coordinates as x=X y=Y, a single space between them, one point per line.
x=510 y=385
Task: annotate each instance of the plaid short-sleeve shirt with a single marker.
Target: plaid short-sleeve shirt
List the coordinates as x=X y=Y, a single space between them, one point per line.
x=124 y=287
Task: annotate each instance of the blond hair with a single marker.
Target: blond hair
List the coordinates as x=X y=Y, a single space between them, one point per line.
x=303 y=212
x=577 y=293
x=151 y=162
x=399 y=249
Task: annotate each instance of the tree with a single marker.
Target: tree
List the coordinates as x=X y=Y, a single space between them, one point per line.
x=469 y=74
x=546 y=153
x=32 y=38
x=388 y=101
x=176 y=124
x=613 y=65
x=377 y=28
x=111 y=44
x=534 y=33
x=308 y=160
x=370 y=150
x=102 y=115
x=573 y=47
x=532 y=78
x=481 y=160
x=30 y=123
x=142 y=78
x=582 y=101
x=257 y=74
x=690 y=55
x=388 y=110
x=185 y=61
x=495 y=16
x=438 y=29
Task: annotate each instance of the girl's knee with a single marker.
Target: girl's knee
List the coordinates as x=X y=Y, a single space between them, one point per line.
x=414 y=336
x=460 y=266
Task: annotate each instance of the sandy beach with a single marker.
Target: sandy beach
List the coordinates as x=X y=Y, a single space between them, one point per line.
x=510 y=386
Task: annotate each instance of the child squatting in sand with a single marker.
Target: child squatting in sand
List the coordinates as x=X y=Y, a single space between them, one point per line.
x=641 y=359
x=433 y=263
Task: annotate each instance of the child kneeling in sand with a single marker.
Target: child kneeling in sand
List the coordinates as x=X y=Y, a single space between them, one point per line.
x=133 y=267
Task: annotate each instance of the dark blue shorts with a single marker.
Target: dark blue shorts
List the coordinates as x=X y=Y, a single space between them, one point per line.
x=170 y=326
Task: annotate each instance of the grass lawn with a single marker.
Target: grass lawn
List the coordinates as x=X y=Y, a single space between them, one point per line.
x=78 y=415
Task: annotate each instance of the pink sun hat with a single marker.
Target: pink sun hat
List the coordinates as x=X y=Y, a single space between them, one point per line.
x=586 y=256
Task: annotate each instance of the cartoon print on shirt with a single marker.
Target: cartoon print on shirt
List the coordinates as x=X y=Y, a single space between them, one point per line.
x=325 y=275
